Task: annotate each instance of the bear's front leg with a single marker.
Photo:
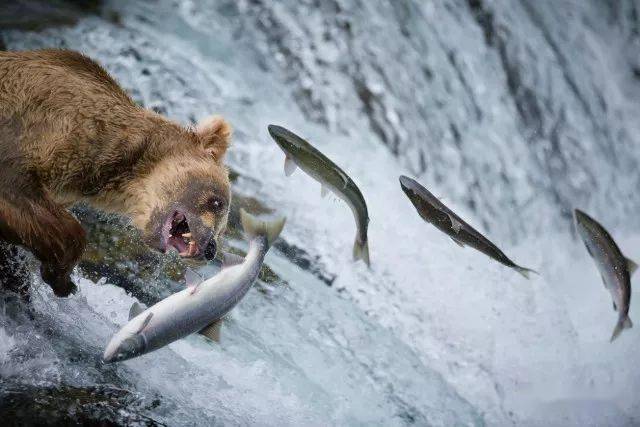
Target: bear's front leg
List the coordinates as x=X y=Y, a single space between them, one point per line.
x=58 y=277
x=49 y=231
x=59 y=248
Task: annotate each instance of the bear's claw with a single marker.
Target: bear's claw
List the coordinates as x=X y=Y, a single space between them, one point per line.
x=60 y=283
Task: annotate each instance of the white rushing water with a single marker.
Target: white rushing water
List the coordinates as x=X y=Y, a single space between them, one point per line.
x=512 y=112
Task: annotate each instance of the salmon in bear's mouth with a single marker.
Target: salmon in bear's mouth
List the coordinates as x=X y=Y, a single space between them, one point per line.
x=176 y=234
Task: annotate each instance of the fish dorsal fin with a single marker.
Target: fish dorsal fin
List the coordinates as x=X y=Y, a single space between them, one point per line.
x=229 y=260
x=192 y=279
x=324 y=191
x=459 y=243
x=289 y=166
x=145 y=322
x=631 y=266
x=455 y=224
x=135 y=309
x=212 y=331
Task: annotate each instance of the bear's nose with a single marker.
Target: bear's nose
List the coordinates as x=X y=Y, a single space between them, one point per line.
x=210 y=250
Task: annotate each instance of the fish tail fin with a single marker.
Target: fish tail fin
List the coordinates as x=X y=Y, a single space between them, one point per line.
x=526 y=272
x=620 y=326
x=254 y=227
x=361 y=251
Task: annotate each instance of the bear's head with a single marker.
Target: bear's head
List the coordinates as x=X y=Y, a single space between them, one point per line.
x=187 y=194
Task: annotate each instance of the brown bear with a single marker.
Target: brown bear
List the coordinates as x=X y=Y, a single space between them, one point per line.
x=69 y=133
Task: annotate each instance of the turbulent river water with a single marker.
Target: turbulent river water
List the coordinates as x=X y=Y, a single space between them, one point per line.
x=513 y=112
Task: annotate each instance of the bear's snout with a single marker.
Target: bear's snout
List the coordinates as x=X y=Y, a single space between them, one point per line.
x=210 y=250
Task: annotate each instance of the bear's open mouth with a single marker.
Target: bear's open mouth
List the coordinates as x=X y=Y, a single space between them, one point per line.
x=177 y=235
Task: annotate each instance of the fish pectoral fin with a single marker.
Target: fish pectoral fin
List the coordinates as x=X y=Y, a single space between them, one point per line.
x=457 y=242
x=588 y=250
x=229 y=260
x=455 y=224
x=324 y=191
x=212 y=331
x=289 y=166
x=192 y=278
x=615 y=307
x=136 y=308
x=144 y=323
x=631 y=266
x=628 y=323
x=603 y=282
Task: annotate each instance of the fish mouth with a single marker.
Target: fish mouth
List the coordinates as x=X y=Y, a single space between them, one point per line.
x=177 y=235
x=407 y=184
x=129 y=348
x=277 y=131
x=283 y=137
x=580 y=218
x=111 y=358
x=579 y=215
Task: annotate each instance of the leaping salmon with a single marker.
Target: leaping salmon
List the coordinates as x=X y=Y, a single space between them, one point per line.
x=615 y=269
x=299 y=153
x=432 y=210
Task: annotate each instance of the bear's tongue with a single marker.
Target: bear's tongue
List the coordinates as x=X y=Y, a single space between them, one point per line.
x=180 y=236
x=178 y=242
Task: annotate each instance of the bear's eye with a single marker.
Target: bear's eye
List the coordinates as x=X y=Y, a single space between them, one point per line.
x=216 y=203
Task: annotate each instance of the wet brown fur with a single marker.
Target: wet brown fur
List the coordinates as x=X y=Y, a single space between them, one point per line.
x=69 y=133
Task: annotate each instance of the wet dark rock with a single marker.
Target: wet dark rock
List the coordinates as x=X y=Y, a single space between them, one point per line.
x=22 y=405
x=36 y=15
x=302 y=259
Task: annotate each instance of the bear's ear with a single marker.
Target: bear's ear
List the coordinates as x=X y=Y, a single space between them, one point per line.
x=214 y=134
